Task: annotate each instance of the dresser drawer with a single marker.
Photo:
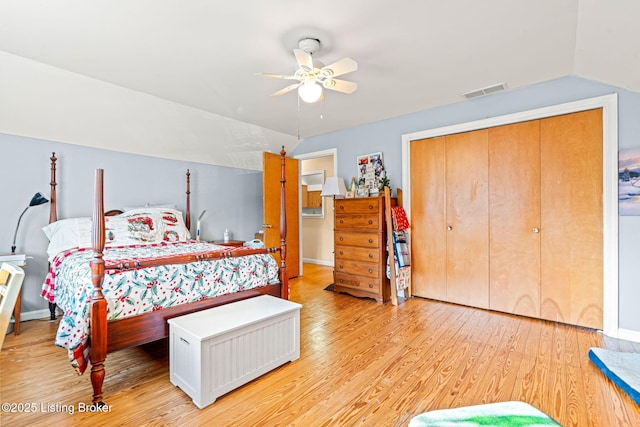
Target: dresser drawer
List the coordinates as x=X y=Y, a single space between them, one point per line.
x=366 y=284
x=358 y=206
x=370 y=221
x=359 y=254
x=360 y=268
x=353 y=238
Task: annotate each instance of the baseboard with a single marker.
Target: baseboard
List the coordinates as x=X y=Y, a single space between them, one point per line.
x=318 y=261
x=629 y=335
x=36 y=314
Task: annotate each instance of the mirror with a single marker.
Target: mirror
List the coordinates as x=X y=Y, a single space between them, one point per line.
x=312 y=202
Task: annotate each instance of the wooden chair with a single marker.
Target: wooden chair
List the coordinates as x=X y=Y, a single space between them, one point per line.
x=11 y=278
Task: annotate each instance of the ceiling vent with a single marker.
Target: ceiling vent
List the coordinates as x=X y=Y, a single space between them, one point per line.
x=485 y=91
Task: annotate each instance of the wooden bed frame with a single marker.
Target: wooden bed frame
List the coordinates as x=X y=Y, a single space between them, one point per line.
x=133 y=331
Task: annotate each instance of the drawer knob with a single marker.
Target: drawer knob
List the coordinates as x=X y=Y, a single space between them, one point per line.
x=370 y=222
x=370 y=206
x=370 y=240
x=341 y=207
x=370 y=285
x=371 y=270
x=341 y=253
x=341 y=267
x=370 y=255
x=341 y=238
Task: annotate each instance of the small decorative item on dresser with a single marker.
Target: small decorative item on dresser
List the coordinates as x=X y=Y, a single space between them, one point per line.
x=362 y=192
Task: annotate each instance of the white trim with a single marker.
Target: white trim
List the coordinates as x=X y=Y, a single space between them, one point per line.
x=314 y=155
x=37 y=314
x=609 y=105
x=629 y=335
x=318 y=262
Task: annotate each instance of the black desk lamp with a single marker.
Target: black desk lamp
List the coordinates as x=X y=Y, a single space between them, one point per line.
x=36 y=200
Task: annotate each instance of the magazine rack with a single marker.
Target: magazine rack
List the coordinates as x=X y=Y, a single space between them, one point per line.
x=399 y=250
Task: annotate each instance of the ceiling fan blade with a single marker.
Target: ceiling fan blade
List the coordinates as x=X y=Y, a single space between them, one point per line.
x=277 y=76
x=286 y=89
x=304 y=60
x=340 y=85
x=344 y=66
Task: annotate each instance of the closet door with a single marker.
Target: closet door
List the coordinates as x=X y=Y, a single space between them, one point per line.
x=514 y=204
x=428 y=227
x=571 y=202
x=467 y=218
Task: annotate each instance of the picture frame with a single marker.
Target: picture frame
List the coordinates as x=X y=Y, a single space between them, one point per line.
x=370 y=172
x=629 y=182
x=362 y=192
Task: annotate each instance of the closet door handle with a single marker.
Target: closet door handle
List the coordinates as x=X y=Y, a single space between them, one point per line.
x=449 y=228
x=535 y=229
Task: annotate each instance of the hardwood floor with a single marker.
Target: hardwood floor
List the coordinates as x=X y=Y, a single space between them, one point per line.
x=361 y=364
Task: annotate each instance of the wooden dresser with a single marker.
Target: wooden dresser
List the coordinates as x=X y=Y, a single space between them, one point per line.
x=360 y=248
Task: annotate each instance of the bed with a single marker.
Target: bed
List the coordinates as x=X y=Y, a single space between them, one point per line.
x=139 y=268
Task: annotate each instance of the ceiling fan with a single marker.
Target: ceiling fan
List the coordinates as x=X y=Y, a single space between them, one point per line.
x=312 y=76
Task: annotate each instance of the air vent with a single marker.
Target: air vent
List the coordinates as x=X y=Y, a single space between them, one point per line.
x=485 y=91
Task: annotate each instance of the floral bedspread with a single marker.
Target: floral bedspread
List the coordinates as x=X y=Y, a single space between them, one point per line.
x=134 y=292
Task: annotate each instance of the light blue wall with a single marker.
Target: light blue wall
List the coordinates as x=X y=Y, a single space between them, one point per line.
x=232 y=197
x=386 y=136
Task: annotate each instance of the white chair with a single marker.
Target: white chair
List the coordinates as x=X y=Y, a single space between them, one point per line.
x=11 y=278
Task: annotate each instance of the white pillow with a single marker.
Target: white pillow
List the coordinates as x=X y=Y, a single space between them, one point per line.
x=67 y=234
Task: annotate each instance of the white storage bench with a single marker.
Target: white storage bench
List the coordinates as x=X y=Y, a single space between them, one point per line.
x=214 y=351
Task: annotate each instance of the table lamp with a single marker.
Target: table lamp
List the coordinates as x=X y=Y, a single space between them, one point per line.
x=36 y=200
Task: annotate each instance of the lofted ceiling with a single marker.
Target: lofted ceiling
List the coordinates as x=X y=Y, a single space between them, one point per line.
x=412 y=55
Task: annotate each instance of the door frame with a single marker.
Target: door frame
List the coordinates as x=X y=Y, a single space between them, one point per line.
x=609 y=105
x=307 y=156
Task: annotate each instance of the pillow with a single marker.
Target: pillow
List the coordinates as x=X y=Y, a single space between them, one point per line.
x=124 y=230
x=67 y=234
x=167 y=224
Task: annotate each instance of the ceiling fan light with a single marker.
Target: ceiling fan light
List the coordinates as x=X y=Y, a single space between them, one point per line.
x=310 y=92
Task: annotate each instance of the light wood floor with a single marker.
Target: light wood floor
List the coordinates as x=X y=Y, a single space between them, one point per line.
x=361 y=364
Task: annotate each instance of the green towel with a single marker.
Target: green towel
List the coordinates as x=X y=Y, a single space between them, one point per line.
x=507 y=414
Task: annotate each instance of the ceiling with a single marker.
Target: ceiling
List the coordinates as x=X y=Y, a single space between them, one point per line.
x=412 y=56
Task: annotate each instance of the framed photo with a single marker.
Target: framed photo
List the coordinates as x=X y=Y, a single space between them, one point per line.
x=362 y=192
x=349 y=195
x=629 y=182
x=370 y=172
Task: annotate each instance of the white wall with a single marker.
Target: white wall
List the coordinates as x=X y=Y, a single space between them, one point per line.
x=41 y=101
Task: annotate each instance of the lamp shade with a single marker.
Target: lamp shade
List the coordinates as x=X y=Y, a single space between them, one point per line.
x=38 y=199
x=310 y=92
x=334 y=186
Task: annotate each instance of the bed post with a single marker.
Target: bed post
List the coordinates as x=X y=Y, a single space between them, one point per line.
x=53 y=215
x=284 y=275
x=187 y=220
x=98 y=332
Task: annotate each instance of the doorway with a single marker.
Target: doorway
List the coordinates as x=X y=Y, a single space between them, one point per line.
x=316 y=229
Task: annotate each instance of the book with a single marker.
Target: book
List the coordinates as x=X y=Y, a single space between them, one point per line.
x=15 y=259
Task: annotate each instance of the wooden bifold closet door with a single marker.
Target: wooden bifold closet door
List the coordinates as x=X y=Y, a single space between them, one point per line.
x=510 y=218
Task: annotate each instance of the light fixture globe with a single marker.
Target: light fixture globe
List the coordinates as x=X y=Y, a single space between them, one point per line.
x=310 y=92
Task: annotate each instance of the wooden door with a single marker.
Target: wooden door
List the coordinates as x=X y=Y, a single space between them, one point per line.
x=428 y=225
x=271 y=164
x=572 y=222
x=467 y=218
x=514 y=206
